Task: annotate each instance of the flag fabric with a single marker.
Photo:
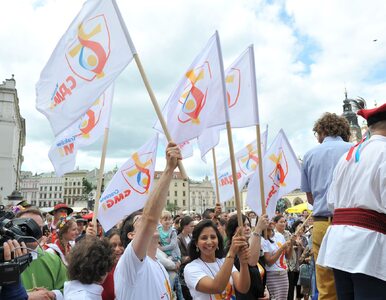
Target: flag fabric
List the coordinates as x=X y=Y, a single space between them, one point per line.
x=197 y=102
x=241 y=99
x=281 y=171
x=129 y=189
x=246 y=163
x=86 y=131
x=90 y=55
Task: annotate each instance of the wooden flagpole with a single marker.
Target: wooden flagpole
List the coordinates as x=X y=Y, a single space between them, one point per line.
x=100 y=178
x=258 y=134
x=215 y=176
x=230 y=140
x=147 y=85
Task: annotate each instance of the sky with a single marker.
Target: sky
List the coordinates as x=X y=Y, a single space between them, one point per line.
x=306 y=52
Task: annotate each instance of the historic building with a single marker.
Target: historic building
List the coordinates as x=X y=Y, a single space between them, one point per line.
x=12 y=133
x=202 y=195
x=73 y=188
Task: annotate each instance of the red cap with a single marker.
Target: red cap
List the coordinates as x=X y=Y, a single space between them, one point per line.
x=88 y=216
x=373 y=115
x=59 y=206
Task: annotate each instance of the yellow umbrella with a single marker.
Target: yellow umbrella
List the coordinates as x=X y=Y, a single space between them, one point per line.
x=300 y=208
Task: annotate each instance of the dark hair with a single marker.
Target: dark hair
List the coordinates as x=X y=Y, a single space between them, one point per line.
x=207 y=212
x=193 y=253
x=296 y=224
x=232 y=226
x=128 y=226
x=113 y=232
x=185 y=221
x=277 y=218
x=330 y=124
x=90 y=260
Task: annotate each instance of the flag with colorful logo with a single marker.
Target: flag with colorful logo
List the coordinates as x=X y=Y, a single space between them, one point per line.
x=241 y=98
x=197 y=102
x=247 y=161
x=86 y=131
x=129 y=189
x=281 y=171
x=90 y=55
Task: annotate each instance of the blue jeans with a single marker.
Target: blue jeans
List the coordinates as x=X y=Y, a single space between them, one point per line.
x=350 y=286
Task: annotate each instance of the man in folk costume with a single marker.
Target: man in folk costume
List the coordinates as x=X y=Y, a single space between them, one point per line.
x=355 y=245
x=60 y=211
x=333 y=133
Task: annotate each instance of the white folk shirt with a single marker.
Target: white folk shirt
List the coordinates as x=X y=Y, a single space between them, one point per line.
x=268 y=247
x=135 y=279
x=359 y=184
x=198 y=269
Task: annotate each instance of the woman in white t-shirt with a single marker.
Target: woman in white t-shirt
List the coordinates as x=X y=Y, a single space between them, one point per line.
x=209 y=275
x=276 y=248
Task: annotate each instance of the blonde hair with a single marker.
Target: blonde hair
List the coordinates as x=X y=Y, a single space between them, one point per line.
x=166 y=215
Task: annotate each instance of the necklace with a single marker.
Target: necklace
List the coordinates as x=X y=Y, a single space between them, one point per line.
x=210 y=270
x=167 y=285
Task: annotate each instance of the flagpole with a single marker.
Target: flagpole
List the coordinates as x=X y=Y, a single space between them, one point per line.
x=258 y=134
x=147 y=85
x=100 y=177
x=215 y=176
x=230 y=141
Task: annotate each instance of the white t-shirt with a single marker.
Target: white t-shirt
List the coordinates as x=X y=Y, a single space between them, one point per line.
x=358 y=184
x=268 y=247
x=75 y=290
x=198 y=269
x=135 y=279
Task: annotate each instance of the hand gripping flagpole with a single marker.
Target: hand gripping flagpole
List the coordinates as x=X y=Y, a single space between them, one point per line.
x=258 y=134
x=147 y=85
x=215 y=176
x=230 y=141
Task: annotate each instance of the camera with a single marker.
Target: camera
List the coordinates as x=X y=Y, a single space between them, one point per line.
x=22 y=230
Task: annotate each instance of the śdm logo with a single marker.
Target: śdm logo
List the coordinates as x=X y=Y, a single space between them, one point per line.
x=138 y=176
x=278 y=174
x=91 y=118
x=193 y=98
x=249 y=162
x=233 y=80
x=88 y=53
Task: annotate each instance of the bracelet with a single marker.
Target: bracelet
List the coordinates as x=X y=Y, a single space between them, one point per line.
x=229 y=256
x=254 y=233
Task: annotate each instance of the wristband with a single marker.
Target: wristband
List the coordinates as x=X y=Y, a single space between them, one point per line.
x=229 y=256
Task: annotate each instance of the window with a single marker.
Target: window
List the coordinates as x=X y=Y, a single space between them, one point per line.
x=45 y=188
x=183 y=184
x=60 y=188
x=56 y=188
x=183 y=193
x=175 y=193
x=175 y=184
x=184 y=202
x=175 y=201
x=50 y=188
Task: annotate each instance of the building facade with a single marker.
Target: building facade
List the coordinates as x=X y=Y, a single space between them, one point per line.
x=73 y=188
x=50 y=190
x=12 y=133
x=202 y=195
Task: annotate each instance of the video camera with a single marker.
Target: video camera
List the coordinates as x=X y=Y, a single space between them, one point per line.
x=22 y=230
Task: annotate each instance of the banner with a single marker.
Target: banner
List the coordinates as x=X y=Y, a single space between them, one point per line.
x=242 y=100
x=281 y=171
x=246 y=164
x=129 y=189
x=86 y=131
x=91 y=54
x=197 y=102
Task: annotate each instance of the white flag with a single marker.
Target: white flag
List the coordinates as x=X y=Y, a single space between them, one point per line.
x=87 y=130
x=281 y=171
x=197 y=102
x=246 y=163
x=129 y=189
x=242 y=100
x=90 y=55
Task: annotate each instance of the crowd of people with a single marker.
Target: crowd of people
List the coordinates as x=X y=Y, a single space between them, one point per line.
x=152 y=254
